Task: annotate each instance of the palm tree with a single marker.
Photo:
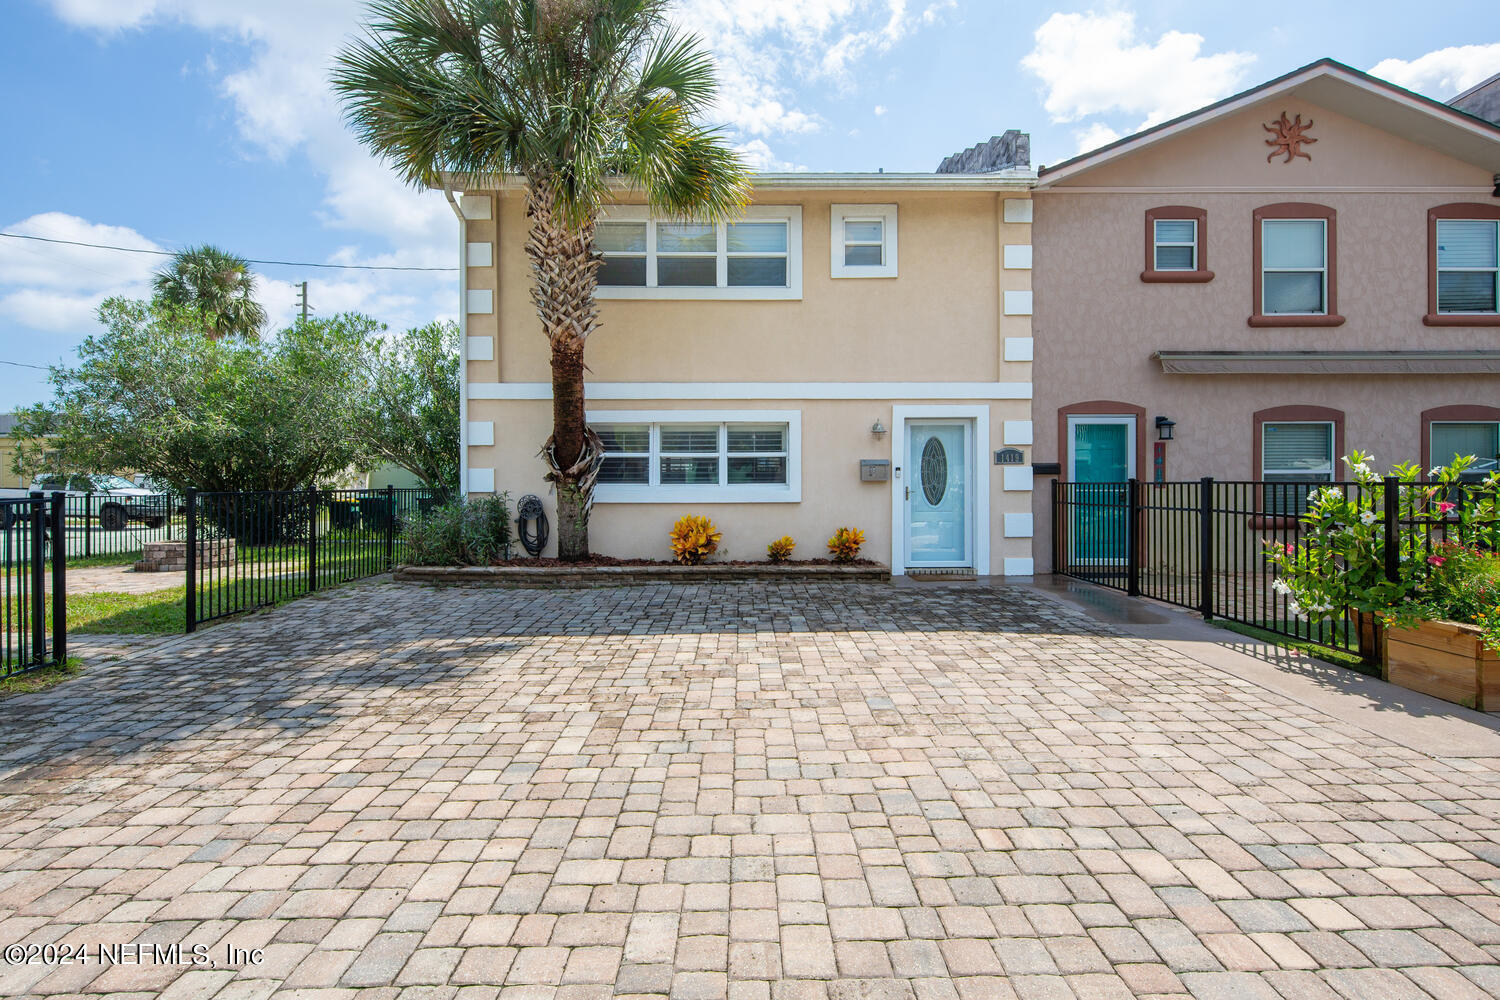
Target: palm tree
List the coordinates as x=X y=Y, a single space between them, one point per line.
x=216 y=285
x=578 y=97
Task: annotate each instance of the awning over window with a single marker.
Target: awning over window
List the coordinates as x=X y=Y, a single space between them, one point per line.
x=1329 y=362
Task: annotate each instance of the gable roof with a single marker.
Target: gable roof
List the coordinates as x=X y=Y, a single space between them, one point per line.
x=1333 y=85
x=1481 y=100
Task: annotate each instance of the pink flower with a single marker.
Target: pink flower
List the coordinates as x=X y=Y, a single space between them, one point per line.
x=1445 y=507
x=1437 y=560
x=1291 y=549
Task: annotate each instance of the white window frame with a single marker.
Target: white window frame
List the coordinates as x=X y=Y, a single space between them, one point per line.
x=655 y=492
x=1157 y=243
x=1308 y=475
x=1264 y=270
x=790 y=214
x=884 y=214
x=1438 y=277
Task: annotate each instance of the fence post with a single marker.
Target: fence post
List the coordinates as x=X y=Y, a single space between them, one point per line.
x=38 y=578
x=1056 y=530
x=1132 y=539
x=59 y=578
x=88 y=524
x=1206 y=547
x=312 y=539
x=390 y=528
x=191 y=531
x=1391 y=498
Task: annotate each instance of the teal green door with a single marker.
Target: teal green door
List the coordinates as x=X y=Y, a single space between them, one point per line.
x=1102 y=461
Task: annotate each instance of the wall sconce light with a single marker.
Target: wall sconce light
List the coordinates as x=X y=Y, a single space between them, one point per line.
x=877 y=428
x=1164 y=427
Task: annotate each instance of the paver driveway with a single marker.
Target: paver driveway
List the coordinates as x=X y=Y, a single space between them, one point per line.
x=747 y=791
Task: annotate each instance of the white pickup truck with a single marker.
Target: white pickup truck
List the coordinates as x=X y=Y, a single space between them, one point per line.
x=113 y=500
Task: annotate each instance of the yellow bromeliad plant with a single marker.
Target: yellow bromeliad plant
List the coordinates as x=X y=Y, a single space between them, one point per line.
x=845 y=544
x=694 y=538
x=780 y=550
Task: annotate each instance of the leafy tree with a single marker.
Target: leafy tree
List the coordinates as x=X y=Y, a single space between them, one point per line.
x=215 y=285
x=410 y=411
x=152 y=394
x=576 y=96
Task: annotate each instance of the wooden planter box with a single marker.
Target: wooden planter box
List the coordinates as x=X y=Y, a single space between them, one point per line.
x=1446 y=660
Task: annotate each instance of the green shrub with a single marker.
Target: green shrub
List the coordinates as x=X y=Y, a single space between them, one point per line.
x=476 y=533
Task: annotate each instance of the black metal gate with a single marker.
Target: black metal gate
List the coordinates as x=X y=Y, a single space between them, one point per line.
x=33 y=583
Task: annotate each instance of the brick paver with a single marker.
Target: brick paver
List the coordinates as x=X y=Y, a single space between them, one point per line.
x=731 y=792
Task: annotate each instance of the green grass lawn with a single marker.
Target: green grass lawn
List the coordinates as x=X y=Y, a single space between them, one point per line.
x=40 y=680
x=1337 y=657
x=157 y=613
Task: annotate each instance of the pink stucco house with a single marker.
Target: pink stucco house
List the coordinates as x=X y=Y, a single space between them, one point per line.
x=1305 y=268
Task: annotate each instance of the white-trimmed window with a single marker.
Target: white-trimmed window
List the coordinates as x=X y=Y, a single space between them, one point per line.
x=1480 y=438
x=863 y=241
x=1296 y=453
x=756 y=257
x=1468 y=266
x=1175 y=245
x=1294 y=267
x=688 y=456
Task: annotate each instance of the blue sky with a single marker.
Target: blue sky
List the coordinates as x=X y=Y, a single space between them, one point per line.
x=161 y=123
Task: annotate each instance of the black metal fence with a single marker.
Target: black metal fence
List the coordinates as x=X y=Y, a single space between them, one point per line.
x=33 y=585
x=1202 y=545
x=101 y=524
x=248 y=550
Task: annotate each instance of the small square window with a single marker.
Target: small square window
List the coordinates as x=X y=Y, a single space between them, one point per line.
x=863 y=239
x=1176 y=245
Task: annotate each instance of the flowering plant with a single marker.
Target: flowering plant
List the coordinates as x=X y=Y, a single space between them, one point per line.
x=1339 y=562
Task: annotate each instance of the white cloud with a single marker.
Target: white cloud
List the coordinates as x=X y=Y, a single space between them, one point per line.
x=1096 y=134
x=763 y=46
x=879 y=110
x=760 y=157
x=1445 y=73
x=54 y=287
x=1095 y=63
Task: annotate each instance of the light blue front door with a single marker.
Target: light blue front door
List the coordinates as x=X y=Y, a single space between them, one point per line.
x=1102 y=462
x=938 y=500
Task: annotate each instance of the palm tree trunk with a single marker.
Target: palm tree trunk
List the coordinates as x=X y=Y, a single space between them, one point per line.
x=564 y=268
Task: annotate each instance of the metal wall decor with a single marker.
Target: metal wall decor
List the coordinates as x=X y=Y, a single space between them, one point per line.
x=1288 y=136
x=934 y=471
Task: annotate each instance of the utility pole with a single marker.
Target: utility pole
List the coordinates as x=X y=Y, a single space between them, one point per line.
x=302 y=299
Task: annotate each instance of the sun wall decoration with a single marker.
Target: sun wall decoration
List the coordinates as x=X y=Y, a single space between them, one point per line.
x=1289 y=138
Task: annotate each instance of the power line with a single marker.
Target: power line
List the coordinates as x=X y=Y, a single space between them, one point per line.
x=22 y=364
x=284 y=263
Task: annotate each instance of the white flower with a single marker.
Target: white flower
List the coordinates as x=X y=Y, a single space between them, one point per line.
x=1368 y=517
x=1294 y=608
x=1436 y=470
x=1281 y=587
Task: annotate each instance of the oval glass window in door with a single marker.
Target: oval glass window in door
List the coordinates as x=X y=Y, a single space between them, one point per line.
x=934 y=471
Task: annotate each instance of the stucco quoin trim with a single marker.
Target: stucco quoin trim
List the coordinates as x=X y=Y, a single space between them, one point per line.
x=1458 y=413
x=1198 y=275
x=1100 y=408
x=1295 y=210
x=1297 y=413
x=1455 y=210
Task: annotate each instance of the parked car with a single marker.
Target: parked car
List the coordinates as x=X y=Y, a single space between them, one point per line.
x=117 y=501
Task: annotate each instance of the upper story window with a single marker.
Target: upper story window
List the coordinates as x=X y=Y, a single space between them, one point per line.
x=1176 y=245
x=757 y=257
x=1295 y=278
x=863 y=241
x=681 y=456
x=1463 y=282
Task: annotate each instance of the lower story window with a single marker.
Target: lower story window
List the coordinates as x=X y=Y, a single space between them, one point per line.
x=1296 y=454
x=671 y=456
x=1481 y=439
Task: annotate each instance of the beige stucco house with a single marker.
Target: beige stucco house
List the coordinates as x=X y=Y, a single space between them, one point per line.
x=855 y=351
x=1302 y=269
